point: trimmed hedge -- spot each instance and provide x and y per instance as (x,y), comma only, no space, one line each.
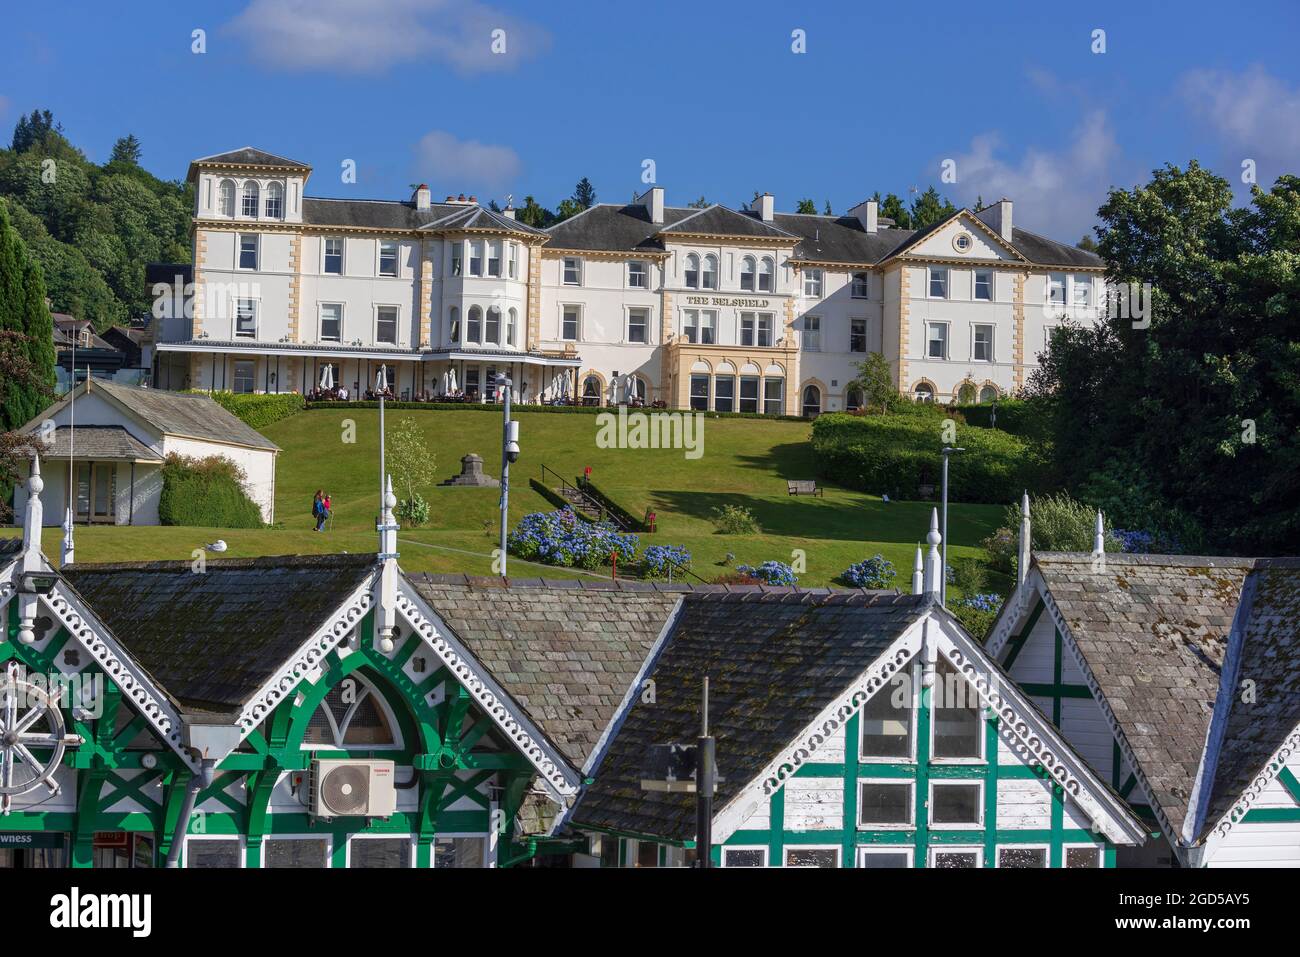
(1024,417)
(257,411)
(207,492)
(895,454)
(560,409)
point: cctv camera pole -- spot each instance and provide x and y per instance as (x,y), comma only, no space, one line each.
(508,439)
(943,531)
(704,784)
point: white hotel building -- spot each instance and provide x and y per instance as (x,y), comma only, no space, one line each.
(750,311)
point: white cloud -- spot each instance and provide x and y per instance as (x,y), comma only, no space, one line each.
(455,165)
(1253,113)
(370,36)
(1056,192)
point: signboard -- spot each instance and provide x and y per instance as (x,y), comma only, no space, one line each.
(22,839)
(736,301)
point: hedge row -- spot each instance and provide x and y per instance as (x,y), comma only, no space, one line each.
(562,409)
(258,411)
(895,454)
(1023,417)
(207,492)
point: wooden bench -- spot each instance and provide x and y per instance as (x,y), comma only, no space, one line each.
(802,487)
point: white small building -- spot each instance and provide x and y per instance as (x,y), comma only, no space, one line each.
(117,439)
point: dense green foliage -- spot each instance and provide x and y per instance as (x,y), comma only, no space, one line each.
(26,333)
(258,411)
(1057,523)
(208,492)
(92,228)
(1027,418)
(1189,424)
(735,520)
(894,454)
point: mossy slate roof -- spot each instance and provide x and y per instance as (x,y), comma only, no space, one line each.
(1153,631)
(774,662)
(211,639)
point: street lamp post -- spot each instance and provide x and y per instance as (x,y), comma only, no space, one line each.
(943,531)
(509,453)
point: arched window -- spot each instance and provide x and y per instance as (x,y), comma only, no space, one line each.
(492,333)
(966,393)
(474,328)
(512,317)
(812,401)
(226,198)
(639,389)
(353,714)
(275,201)
(853,400)
(710,278)
(249,207)
(591,390)
(988,393)
(453,325)
(924,392)
(747,274)
(765,268)
(692,271)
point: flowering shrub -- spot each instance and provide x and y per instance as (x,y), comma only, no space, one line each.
(561,538)
(657,560)
(1139,542)
(977,612)
(735,520)
(875,572)
(773,573)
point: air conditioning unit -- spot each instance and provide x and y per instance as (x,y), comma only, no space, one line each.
(346,787)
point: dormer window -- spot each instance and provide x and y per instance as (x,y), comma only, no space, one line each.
(275,201)
(249,207)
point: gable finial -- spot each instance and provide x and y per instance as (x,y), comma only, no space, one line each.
(1099,537)
(1023,546)
(386,583)
(934,563)
(918,573)
(34,513)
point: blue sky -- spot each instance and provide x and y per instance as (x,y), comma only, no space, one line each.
(711,92)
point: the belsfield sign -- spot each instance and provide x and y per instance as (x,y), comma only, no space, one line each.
(728,301)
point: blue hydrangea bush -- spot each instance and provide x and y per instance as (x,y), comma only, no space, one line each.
(874,572)
(657,560)
(773,573)
(561,538)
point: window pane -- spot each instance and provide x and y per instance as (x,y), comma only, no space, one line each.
(570,330)
(296,853)
(812,334)
(1022,857)
(387,259)
(647,854)
(883,859)
(887,721)
(476,259)
(812,857)
(211,853)
(773,396)
(638,322)
(765,330)
(331,322)
(458,852)
(765,275)
(494,258)
(700,393)
(951,860)
(334,256)
(939,283)
(957,725)
(247,252)
(885,804)
(609,847)
(572,275)
(386,325)
(742,857)
(379,852)
(983,284)
(955,804)
(938,341)
(707,323)
(860,285)
(749,393)
(724,393)
(1083,857)
(857,335)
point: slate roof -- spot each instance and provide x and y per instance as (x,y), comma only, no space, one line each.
(720,221)
(101,442)
(607,227)
(180,413)
(210,640)
(1153,630)
(476,217)
(1048,252)
(774,661)
(365,213)
(840,239)
(10,547)
(247,156)
(1270,658)
(567,655)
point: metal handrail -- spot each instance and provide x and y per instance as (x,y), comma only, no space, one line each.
(605,514)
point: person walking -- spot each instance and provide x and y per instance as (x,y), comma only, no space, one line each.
(328,507)
(318,510)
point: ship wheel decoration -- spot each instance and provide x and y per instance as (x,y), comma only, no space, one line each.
(32,737)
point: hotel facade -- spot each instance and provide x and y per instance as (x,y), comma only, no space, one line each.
(713,309)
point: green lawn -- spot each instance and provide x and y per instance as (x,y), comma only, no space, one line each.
(745,462)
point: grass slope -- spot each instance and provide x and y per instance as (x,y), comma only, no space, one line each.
(745,462)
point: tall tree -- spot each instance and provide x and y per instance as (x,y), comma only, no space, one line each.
(126,150)
(28,331)
(806,206)
(700,203)
(1180,412)
(827,210)
(532,214)
(30,130)
(584,194)
(1087,243)
(928,208)
(892,208)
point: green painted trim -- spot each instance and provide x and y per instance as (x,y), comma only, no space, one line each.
(1129,785)
(1290,783)
(969,837)
(921,794)
(1056,677)
(774,837)
(1018,642)
(1039,690)
(991,790)
(1271,815)
(852,749)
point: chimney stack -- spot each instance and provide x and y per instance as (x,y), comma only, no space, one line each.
(508,212)
(998,218)
(766,207)
(653,201)
(868,214)
(421,197)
